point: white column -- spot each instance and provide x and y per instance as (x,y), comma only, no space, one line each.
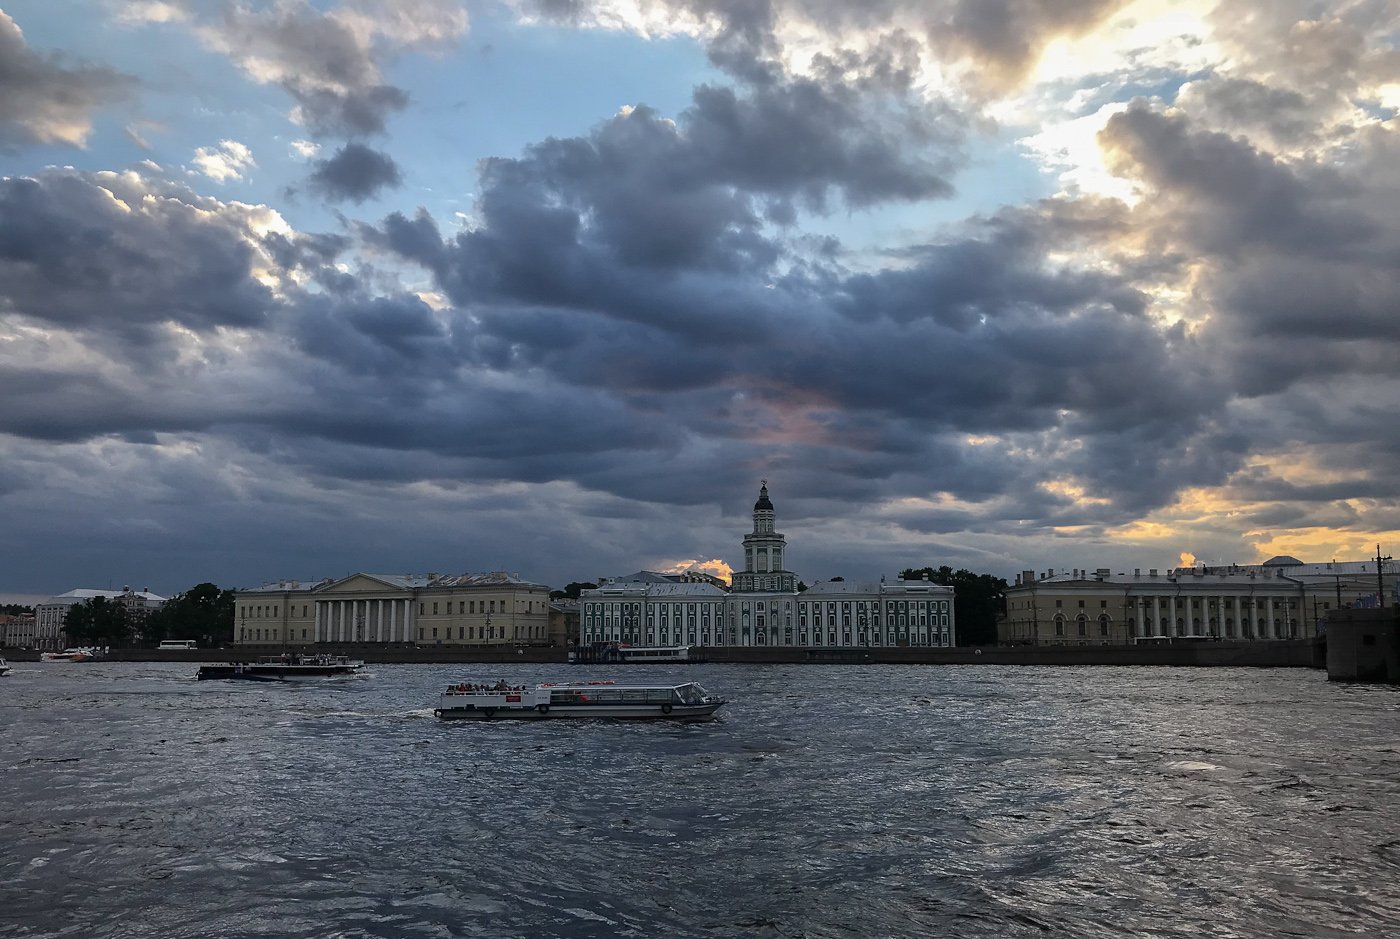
(1269,620)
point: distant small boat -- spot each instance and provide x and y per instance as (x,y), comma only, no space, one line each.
(70,655)
(283,668)
(684,701)
(4,667)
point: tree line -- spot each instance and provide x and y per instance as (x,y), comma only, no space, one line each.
(979,600)
(203,613)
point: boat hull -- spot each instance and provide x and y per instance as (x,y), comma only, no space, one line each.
(646,712)
(274,672)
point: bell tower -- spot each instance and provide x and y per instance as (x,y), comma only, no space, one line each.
(764,548)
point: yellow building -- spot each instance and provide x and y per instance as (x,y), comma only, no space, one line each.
(1283,598)
(401,609)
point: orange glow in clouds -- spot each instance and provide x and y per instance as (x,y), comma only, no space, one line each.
(714,567)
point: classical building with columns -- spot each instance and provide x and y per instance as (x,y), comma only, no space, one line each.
(765,607)
(1283,598)
(407,609)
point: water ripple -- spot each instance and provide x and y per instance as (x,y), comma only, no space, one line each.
(831,801)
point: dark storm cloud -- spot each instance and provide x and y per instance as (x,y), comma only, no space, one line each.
(801,138)
(319,60)
(989,341)
(1006,37)
(1235,104)
(999,40)
(355,172)
(1233,196)
(375,336)
(1296,257)
(347,114)
(605,221)
(79,255)
(44,99)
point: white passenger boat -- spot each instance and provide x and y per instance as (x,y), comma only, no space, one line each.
(685,701)
(283,668)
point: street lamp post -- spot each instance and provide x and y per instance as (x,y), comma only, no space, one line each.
(1380,580)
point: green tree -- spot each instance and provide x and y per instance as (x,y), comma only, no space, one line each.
(979,600)
(572,591)
(98,621)
(203,613)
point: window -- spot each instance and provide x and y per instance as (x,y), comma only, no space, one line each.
(1103,604)
(1059,603)
(435,614)
(1081,604)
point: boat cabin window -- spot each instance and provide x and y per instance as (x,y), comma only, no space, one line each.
(690,693)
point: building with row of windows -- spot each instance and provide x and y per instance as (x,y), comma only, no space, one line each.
(51,617)
(495,608)
(1282,598)
(17,630)
(765,607)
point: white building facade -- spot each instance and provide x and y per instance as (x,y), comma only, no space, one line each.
(765,607)
(51,616)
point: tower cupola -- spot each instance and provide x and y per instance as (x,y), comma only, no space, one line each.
(764,547)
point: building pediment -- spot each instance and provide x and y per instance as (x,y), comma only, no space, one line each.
(359,584)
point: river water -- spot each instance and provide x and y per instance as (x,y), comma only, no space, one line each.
(828,801)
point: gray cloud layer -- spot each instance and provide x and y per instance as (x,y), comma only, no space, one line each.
(634,326)
(45,100)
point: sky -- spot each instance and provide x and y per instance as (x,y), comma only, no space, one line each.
(298,288)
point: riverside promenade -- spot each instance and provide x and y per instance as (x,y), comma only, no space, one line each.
(1265,654)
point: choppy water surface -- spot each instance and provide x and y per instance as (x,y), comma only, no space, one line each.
(829,801)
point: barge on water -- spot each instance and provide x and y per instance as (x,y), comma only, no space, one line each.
(284,668)
(684,701)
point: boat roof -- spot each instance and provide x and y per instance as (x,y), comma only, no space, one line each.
(571,685)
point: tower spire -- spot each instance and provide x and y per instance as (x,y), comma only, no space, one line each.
(764,547)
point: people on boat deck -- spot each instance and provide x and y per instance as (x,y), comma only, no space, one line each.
(484,688)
